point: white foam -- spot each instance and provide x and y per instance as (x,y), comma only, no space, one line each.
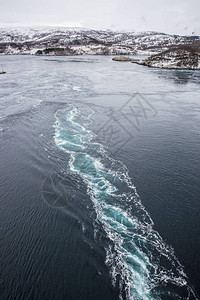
(118,222)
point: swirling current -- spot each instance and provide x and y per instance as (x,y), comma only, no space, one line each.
(142,264)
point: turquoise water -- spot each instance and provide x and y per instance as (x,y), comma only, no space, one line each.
(147,266)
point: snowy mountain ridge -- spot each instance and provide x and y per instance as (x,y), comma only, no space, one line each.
(76,41)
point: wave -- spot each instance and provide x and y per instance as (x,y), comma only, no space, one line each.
(142,265)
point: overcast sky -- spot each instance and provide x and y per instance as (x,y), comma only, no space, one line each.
(171,16)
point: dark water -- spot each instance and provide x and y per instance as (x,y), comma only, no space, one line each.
(99,180)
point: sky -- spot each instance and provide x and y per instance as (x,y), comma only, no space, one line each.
(170,16)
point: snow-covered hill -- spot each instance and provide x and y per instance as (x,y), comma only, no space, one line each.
(75,41)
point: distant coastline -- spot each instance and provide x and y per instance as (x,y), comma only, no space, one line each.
(78,41)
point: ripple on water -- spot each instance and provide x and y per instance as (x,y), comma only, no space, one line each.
(147,267)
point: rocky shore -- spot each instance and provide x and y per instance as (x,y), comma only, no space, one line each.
(182,57)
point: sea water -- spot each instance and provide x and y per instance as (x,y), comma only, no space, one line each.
(99,180)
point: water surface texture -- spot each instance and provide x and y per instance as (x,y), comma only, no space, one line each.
(99,180)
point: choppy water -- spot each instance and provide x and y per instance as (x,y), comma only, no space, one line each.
(93,154)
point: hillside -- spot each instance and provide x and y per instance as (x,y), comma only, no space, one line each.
(77,41)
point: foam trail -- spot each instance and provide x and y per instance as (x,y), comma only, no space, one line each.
(140,262)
